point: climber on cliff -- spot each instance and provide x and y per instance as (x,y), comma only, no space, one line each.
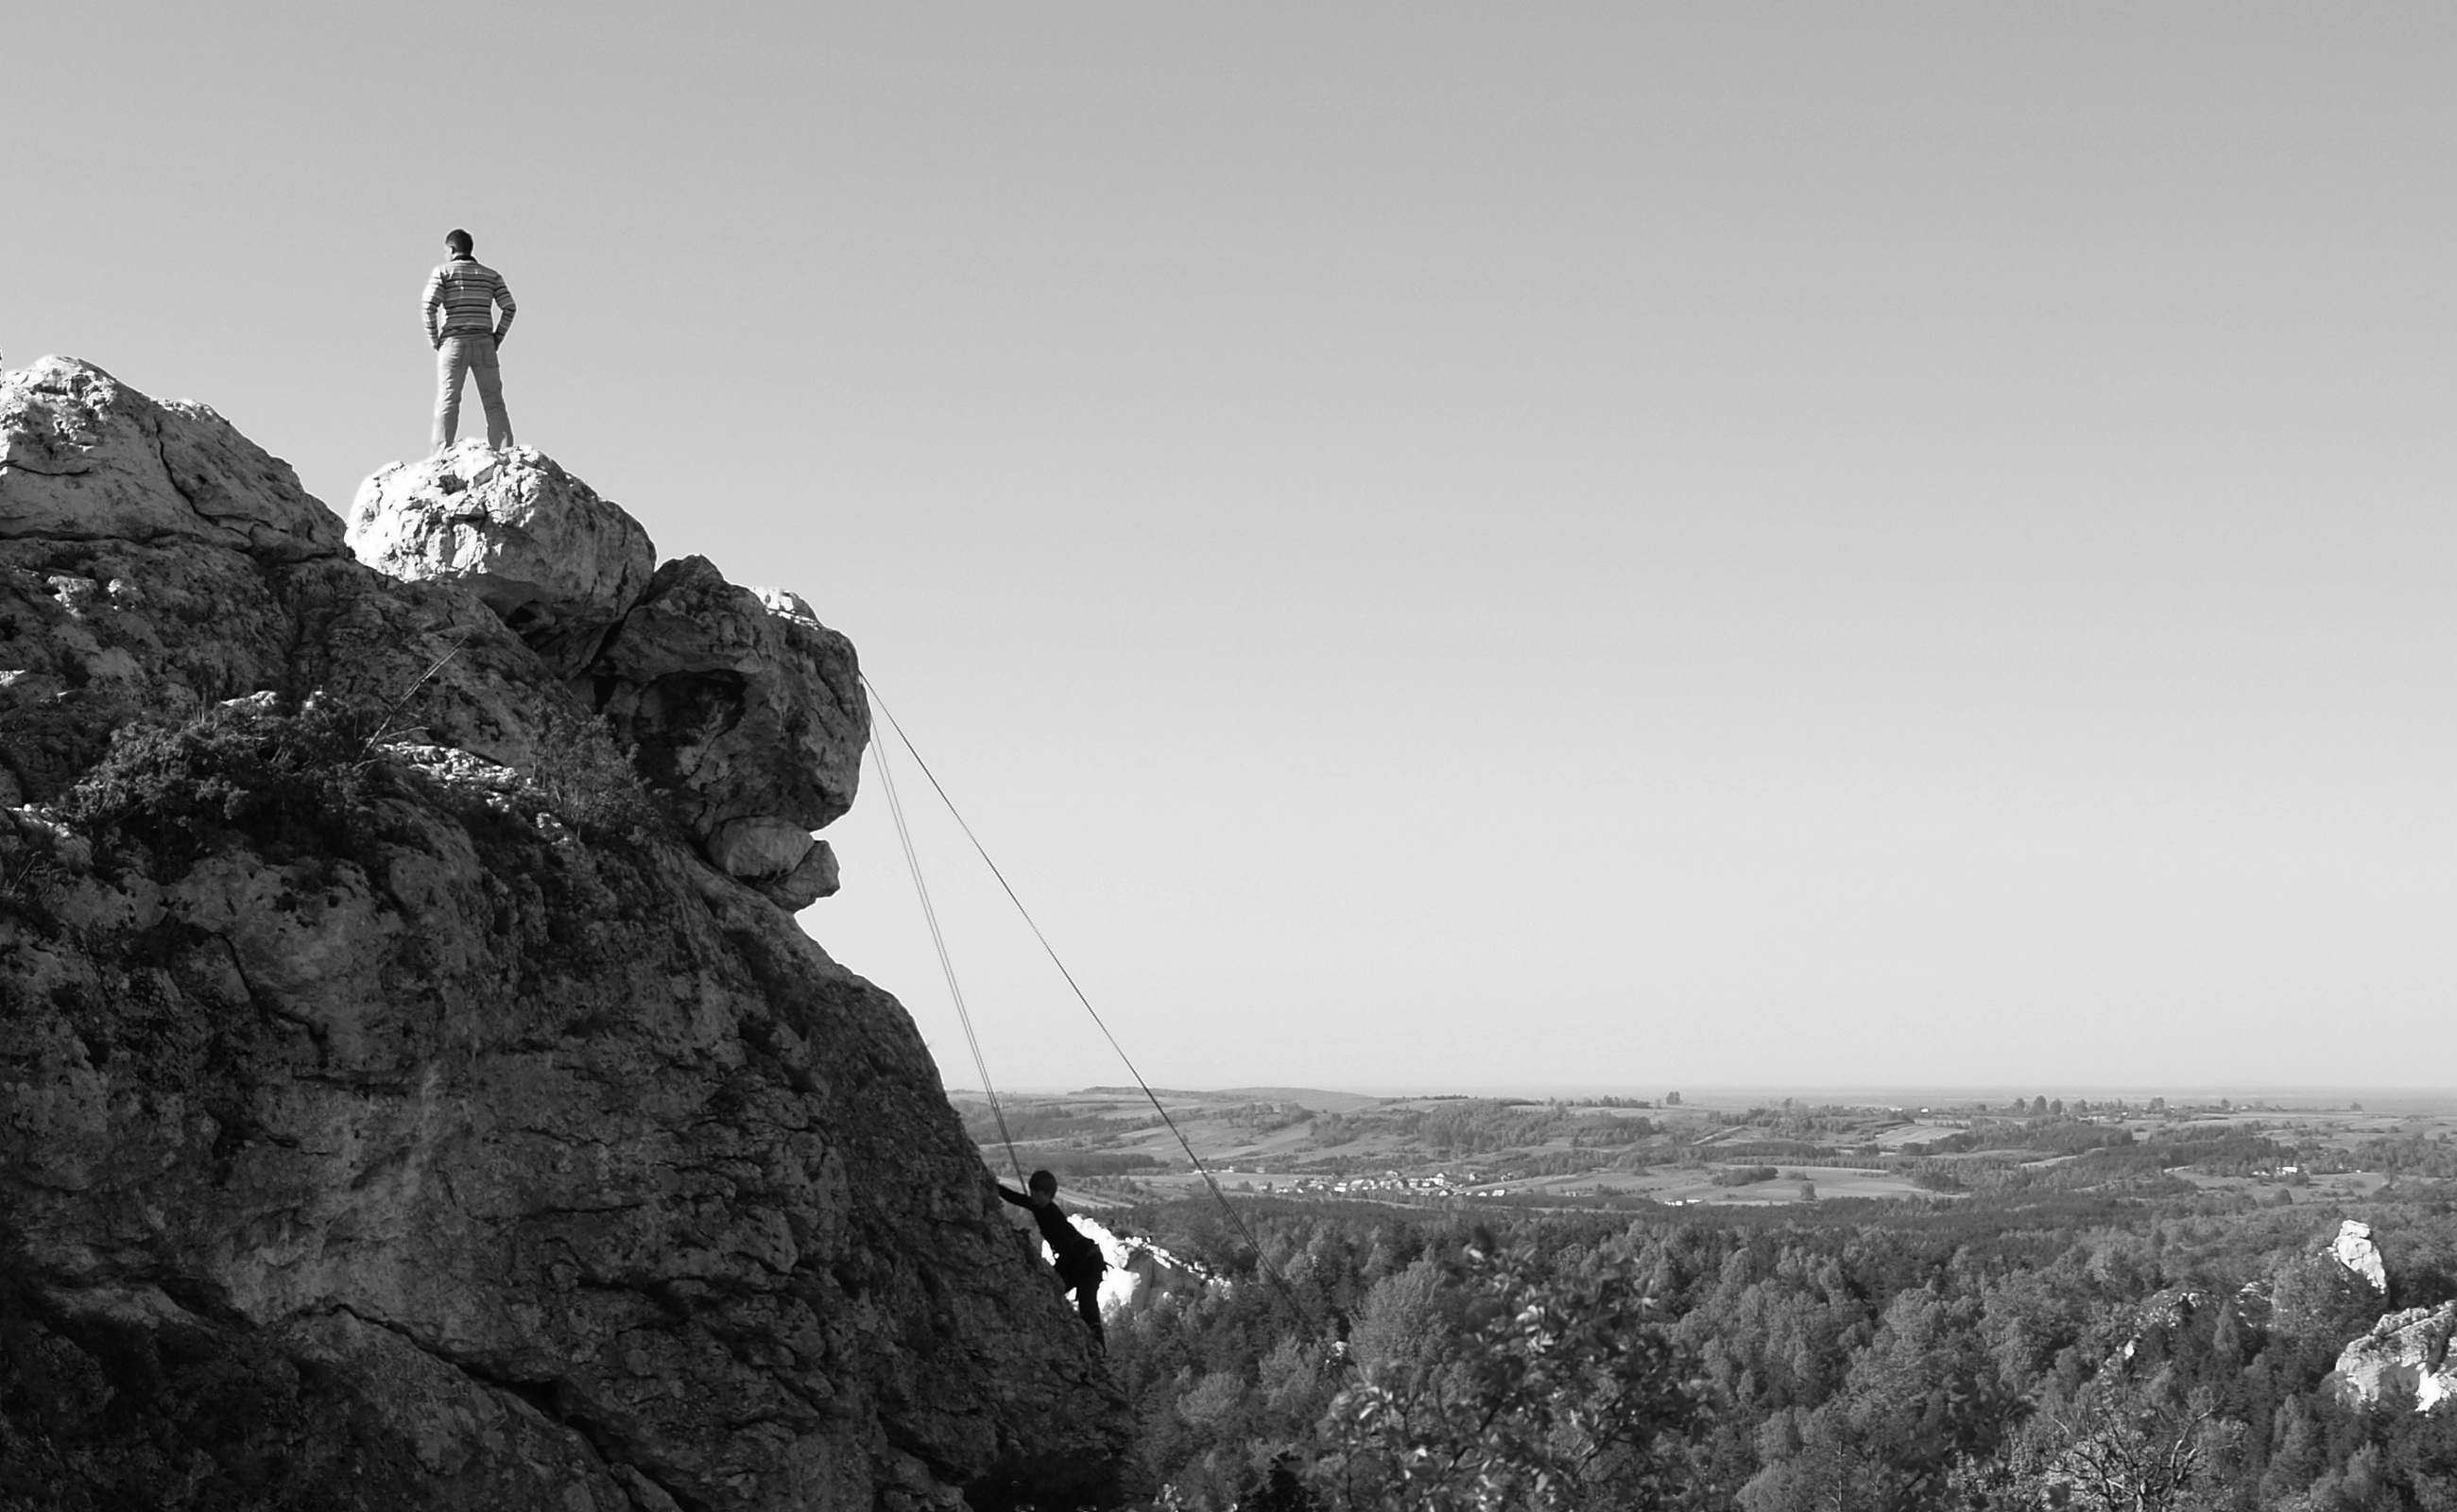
(465,292)
(1078,1260)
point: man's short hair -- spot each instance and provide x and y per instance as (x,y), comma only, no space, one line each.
(1043,1181)
(459,241)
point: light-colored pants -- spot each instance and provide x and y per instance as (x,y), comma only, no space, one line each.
(460,357)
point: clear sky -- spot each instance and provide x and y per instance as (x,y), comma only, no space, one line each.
(1447,545)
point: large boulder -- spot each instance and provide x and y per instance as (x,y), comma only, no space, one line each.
(741,704)
(379,1129)
(555,562)
(2406,1353)
(87,458)
(812,877)
(777,858)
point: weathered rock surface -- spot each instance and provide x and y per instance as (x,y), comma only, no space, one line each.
(777,858)
(2353,1249)
(746,714)
(761,847)
(814,878)
(555,562)
(381,1126)
(2405,1353)
(742,705)
(90,459)
(153,560)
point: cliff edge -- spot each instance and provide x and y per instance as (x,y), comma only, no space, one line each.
(415,1091)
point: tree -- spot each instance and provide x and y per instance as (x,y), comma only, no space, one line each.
(1544,1384)
(1921,1396)
(2124,1442)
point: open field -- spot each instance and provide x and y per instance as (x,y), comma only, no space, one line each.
(1110,1144)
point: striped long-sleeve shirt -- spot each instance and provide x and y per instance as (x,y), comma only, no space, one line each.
(462,290)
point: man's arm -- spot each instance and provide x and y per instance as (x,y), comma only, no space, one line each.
(503,301)
(434,302)
(1016,1197)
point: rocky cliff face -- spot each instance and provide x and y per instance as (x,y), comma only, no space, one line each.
(2404,1354)
(413,1089)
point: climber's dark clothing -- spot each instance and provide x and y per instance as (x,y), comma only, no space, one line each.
(1076,1253)
(1087,1303)
(1078,1260)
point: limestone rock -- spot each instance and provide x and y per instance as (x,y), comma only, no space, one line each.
(555,562)
(812,879)
(742,705)
(153,561)
(2406,1352)
(2354,1250)
(758,847)
(97,635)
(87,458)
(1140,1273)
(676,1173)
(508,1165)
(781,861)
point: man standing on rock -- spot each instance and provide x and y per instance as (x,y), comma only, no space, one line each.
(1080,1261)
(461,299)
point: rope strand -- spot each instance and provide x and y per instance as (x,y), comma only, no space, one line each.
(1226,1206)
(946,963)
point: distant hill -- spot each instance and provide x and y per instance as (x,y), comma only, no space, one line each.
(1311,1099)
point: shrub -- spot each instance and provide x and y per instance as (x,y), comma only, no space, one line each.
(244,766)
(30,867)
(1524,1384)
(587,780)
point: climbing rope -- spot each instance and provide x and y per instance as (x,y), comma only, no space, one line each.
(1226,1206)
(946,963)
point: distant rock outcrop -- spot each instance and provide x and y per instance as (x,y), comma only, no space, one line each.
(1140,1273)
(2405,1353)
(395,1110)
(2164,1311)
(2353,1249)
